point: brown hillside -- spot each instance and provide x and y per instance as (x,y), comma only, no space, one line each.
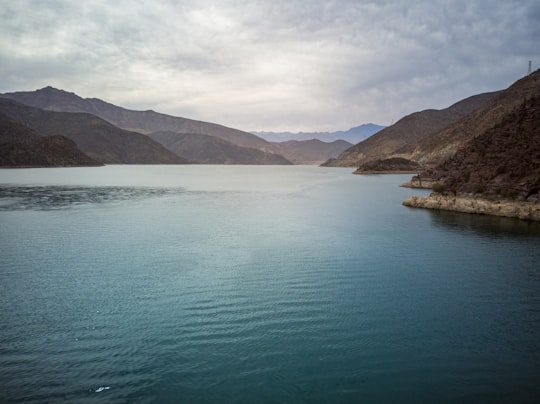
(391,165)
(313,151)
(22,147)
(407,132)
(207,149)
(95,137)
(441,146)
(52,99)
(504,161)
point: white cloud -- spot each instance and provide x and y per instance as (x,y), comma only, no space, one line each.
(270,65)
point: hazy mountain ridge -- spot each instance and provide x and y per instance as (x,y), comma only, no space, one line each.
(23,147)
(145,122)
(353,135)
(207,149)
(95,137)
(217,144)
(408,131)
(312,151)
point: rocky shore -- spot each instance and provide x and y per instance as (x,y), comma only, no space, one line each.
(419,182)
(395,165)
(528,210)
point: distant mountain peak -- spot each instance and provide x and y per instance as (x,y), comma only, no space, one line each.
(353,135)
(50,89)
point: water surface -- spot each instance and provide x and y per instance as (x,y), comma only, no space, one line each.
(258,284)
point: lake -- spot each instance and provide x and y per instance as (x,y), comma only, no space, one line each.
(258,284)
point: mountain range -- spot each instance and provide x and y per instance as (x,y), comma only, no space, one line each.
(484,159)
(192,141)
(313,151)
(140,123)
(353,135)
(95,137)
(145,122)
(206,149)
(421,141)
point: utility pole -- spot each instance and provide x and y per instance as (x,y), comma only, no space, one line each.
(530,68)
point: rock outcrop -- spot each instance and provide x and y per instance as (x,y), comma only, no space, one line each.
(495,173)
(528,210)
(392,165)
(502,162)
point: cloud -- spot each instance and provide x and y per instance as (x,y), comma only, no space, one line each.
(270,65)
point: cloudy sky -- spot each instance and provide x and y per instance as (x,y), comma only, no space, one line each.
(276,65)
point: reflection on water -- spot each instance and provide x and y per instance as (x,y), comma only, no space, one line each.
(484,224)
(58,197)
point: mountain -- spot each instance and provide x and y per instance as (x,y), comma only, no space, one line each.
(22,147)
(502,161)
(213,150)
(353,135)
(95,137)
(444,144)
(311,151)
(408,131)
(145,122)
(496,173)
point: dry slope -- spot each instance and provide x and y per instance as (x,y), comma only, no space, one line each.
(94,136)
(406,132)
(22,147)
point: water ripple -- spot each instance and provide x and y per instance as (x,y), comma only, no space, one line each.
(61,197)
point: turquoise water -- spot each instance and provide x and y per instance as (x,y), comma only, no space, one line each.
(238,284)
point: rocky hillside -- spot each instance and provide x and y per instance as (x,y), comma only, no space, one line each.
(95,137)
(207,149)
(22,147)
(444,144)
(502,162)
(391,165)
(310,151)
(145,122)
(408,131)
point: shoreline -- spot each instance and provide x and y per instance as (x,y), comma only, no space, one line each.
(417,184)
(374,172)
(476,205)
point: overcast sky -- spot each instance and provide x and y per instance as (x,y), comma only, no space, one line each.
(276,65)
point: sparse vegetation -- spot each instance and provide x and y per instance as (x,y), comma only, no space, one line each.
(502,162)
(395,164)
(439,187)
